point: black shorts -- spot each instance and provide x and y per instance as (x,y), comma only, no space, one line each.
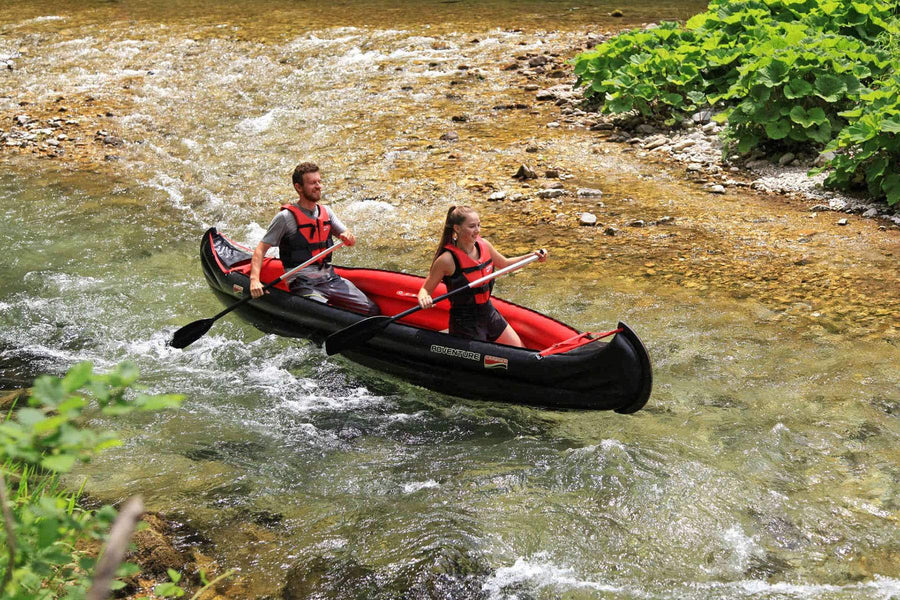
(335,291)
(481,322)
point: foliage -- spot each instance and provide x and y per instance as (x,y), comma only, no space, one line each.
(782,73)
(869,148)
(39,443)
(796,92)
(171,589)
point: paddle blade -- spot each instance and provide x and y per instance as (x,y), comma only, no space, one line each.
(190,333)
(355,334)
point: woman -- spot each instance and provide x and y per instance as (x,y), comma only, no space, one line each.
(463,256)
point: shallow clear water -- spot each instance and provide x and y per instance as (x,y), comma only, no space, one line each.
(764,466)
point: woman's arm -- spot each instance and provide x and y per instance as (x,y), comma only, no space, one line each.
(501,262)
(440,268)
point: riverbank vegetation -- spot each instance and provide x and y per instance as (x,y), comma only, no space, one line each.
(49,541)
(781,75)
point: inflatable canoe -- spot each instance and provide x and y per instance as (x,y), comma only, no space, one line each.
(560,367)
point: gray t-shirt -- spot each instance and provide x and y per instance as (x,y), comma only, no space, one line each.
(284,223)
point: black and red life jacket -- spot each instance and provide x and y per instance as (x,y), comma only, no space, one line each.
(467,271)
(311,238)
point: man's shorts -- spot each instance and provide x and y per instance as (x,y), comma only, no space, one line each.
(335,291)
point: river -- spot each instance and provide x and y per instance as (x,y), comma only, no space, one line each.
(765,464)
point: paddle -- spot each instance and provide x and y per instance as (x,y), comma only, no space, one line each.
(361,331)
(192,332)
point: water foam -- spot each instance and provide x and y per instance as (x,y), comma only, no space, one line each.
(415,486)
(543,574)
(880,587)
(743,548)
(257,125)
(44,19)
(356,57)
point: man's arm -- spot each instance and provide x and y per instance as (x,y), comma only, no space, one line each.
(273,236)
(256,287)
(339,229)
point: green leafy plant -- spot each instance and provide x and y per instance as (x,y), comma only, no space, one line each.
(171,589)
(43,525)
(780,73)
(794,91)
(868,148)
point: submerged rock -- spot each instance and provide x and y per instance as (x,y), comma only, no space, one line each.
(552,193)
(335,578)
(525,172)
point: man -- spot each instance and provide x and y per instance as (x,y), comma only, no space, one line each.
(301,230)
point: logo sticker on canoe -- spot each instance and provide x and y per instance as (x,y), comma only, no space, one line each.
(457,352)
(237,289)
(495,362)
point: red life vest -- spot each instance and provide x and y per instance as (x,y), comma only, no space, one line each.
(467,271)
(311,238)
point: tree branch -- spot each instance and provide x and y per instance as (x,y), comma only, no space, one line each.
(9,526)
(112,556)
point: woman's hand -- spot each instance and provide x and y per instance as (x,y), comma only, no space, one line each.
(425,300)
(541,254)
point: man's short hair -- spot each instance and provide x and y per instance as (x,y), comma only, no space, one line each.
(302,169)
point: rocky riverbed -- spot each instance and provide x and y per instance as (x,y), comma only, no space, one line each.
(756,229)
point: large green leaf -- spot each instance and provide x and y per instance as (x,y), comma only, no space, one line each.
(48,391)
(672,99)
(797,88)
(77,376)
(774,73)
(760,93)
(48,425)
(61,463)
(29,417)
(645,91)
(620,104)
(876,169)
(891,188)
(829,7)
(697,21)
(861,131)
(158,402)
(829,87)
(696,97)
(747,142)
(890,124)
(778,130)
(821,134)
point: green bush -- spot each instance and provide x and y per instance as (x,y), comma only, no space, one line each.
(796,92)
(782,73)
(42,523)
(868,149)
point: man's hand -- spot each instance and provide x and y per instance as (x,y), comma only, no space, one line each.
(256,288)
(348,238)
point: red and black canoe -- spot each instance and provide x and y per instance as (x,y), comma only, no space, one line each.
(559,367)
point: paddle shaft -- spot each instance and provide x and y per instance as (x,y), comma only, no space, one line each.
(472,284)
(272,284)
(361,331)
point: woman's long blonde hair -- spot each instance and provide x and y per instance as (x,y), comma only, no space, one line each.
(455,216)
